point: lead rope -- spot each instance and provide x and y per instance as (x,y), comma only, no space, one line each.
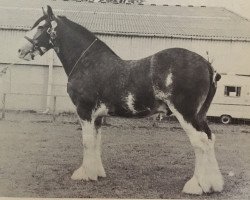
(4,70)
(81,56)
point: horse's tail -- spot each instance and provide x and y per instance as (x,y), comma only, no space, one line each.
(214,78)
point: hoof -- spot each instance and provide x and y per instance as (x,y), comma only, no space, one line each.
(192,187)
(101,172)
(80,174)
(217,182)
(208,185)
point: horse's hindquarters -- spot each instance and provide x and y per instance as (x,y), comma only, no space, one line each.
(183,80)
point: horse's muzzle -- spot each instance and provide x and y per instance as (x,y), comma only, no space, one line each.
(25,55)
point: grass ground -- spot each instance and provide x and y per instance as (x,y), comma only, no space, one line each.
(38,157)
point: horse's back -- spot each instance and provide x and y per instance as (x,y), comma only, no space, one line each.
(181,63)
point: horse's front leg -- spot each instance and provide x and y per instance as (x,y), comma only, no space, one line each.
(91,166)
(100,168)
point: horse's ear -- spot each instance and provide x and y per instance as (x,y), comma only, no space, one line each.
(50,13)
(44,13)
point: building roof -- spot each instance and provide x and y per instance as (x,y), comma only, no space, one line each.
(138,20)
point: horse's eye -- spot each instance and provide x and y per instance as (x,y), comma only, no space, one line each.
(40,27)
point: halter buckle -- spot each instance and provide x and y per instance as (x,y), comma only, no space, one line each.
(52,33)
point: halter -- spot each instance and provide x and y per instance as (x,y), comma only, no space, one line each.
(35,45)
(52,33)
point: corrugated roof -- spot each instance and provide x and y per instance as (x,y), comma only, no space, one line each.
(146,20)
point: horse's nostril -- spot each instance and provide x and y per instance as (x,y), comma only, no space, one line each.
(19,50)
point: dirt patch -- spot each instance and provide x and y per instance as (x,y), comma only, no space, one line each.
(141,161)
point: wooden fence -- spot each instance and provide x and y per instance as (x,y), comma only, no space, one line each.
(53,110)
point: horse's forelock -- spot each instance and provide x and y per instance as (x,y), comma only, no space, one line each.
(39,20)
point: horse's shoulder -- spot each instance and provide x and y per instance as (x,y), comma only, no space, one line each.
(79,91)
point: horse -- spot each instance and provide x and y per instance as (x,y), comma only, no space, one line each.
(100,83)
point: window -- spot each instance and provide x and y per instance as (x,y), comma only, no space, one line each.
(232,91)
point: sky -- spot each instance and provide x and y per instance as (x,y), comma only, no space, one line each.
(241,7)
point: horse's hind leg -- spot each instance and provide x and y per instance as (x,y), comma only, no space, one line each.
(207,177)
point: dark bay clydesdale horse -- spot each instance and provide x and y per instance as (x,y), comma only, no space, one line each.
(101,83)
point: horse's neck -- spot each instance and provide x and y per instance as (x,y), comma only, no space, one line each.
(72,45)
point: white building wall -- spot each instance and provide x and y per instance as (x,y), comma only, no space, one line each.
(25,79)
(227,57)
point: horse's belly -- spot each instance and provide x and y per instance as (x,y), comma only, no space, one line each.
(128,112)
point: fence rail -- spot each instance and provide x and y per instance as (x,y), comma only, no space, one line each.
(60,107)
(51,110)
(3,108)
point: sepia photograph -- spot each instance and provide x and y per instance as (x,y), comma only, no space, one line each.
(125,99)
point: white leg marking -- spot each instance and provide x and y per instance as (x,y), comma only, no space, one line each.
(88,170)
(92,164)
(215,176)
(192,187)
(100,169)
(207,176)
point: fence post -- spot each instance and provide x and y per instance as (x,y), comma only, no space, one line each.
(54,109)
(3,108)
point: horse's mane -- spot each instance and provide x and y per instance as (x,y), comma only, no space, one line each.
(80,29)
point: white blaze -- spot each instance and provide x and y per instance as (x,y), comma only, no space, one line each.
(33,32)
(27,46)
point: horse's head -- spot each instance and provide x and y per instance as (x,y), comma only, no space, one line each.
(40,38)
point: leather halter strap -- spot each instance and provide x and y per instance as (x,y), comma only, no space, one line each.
(36,47)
